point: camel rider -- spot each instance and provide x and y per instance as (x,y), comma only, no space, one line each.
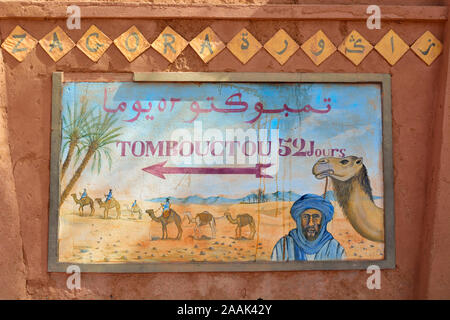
(84,194)
(166,208)
(134,203)
(109,196)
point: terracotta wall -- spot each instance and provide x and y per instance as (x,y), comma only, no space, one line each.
(421,149)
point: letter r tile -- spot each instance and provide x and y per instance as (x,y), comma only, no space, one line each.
(169,44)
(281,46)
(19,43)
(94,43)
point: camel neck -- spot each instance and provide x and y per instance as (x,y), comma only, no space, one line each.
(350,193)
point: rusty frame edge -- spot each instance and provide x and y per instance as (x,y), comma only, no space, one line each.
(55,148)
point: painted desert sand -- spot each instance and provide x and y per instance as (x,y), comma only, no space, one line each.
(92,239)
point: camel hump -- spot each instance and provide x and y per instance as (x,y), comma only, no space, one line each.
(205,216)
(246,218)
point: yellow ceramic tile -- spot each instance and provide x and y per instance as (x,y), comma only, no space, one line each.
(392,47)
(355,47)
(132,43)
(427,47)
(207,44)
(56,43)
(244,46)
(169,44)
(94,43)
(19,43)
(281,46)
(318,48)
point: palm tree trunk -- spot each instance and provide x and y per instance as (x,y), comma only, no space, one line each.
(72,146)
(77,174)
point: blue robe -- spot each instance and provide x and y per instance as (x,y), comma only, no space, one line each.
(109,196)
(330,250)
(166,206)
(83,195)
(134,203)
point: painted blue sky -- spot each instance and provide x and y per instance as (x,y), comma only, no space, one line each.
(354,123)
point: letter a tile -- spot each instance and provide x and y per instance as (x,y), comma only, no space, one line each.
(355,47)
(132,43)
(169,44)
(19,43)
(427,47)
(207,44)
(391,47)
(244,46)
(94,43)
(56,43)
(318,48)
(281,46)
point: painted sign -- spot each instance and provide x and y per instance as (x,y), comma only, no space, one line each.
(244,175)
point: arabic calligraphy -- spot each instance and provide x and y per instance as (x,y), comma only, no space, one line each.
(284,49)
(357,46)
(321,45)
(234,103)
(245,44)
(432,44)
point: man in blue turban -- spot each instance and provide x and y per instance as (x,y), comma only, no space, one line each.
(311,239)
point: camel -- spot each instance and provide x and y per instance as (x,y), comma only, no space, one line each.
(242,220)
(135,209)
(86,201)
(111,203)
(353,192)
(173,217)
(202,219)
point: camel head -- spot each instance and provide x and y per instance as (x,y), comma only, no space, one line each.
(150,212)
(227,214)
(341,169)
(98,200)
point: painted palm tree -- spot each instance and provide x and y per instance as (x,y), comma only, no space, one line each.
(101,132)
(73,131)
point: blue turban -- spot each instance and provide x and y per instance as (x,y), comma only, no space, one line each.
(311,201)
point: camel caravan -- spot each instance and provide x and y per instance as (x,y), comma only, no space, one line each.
(168,216)
(350,183)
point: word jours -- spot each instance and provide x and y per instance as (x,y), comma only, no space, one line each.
(244,46)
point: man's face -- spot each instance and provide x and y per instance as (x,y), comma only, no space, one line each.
(311,222)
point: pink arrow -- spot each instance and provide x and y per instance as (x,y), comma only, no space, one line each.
(159,170)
